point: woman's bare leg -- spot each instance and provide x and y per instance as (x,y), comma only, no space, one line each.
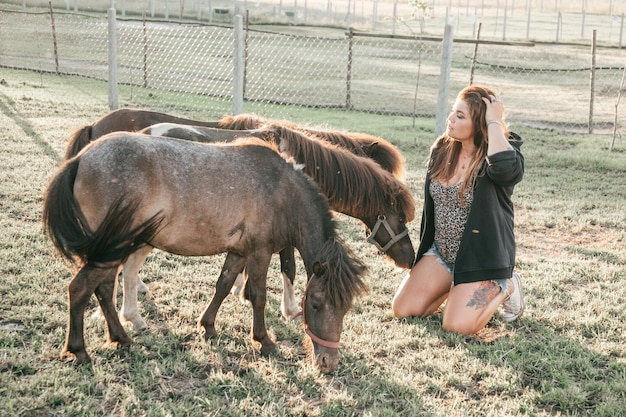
(470,306)
(423,290)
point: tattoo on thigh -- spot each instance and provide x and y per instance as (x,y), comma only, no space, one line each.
(483,295)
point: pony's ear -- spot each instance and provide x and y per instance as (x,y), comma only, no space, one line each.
(318,269)
(369,149)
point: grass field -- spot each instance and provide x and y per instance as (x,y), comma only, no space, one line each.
(566,355)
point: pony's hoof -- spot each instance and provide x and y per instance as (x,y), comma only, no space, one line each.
(141,287)
(207,331)
(137,322)
(76,358)
(291,314)
(245,301)
(268,347)
(120,342)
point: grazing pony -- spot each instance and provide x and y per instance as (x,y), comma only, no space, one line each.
(130,192)
(383,232)
(354,185)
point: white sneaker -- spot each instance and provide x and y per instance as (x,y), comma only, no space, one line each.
(513,306)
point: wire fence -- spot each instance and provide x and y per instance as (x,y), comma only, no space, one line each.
(536,20)
(188,68)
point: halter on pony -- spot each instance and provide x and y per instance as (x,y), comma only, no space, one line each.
(394,238)
(314,338)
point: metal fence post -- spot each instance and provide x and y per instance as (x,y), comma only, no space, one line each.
(349,70)
(113,93)
(238,65)
(444,82)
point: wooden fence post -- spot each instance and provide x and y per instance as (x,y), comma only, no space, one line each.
(592,81)
(473,66)
(238,65)
(444,81)
(113,93)
(619,97)
(54,39)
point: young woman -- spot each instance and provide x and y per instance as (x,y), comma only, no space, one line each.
(467,249)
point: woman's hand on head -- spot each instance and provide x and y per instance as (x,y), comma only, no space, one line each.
(495,108)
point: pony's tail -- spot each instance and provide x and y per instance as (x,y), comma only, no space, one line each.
(114,240)
(80,138)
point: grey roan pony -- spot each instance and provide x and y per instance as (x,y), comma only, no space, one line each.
(128,192)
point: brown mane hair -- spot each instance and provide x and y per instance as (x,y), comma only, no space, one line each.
(362,144)
(351,182)
(343,284)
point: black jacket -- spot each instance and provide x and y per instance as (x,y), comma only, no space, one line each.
(487,248)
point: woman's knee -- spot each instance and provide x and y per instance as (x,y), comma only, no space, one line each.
(402,307)
(399,307)
(463,327)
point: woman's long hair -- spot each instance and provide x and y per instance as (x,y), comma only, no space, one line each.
(445,152)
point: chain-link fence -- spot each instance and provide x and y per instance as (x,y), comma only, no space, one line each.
(536,20)
(188,68)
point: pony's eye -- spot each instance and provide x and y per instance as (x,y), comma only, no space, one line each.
(316,304)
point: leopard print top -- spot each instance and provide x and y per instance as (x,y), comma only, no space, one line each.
(450,217)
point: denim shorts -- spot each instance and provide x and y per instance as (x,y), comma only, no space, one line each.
(433,251)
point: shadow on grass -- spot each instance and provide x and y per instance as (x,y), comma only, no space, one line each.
(174,369)
(5,102)
(567,376)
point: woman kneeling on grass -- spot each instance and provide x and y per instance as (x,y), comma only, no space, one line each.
(467,250)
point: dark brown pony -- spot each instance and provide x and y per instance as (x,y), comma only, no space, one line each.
(128,192)
(127,120)
(132,120)
(354,185)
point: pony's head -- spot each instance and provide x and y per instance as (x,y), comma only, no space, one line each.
(359,187)
(335,281)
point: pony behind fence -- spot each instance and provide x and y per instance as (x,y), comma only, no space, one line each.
(128,192)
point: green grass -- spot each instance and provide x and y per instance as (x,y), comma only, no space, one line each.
(566,355)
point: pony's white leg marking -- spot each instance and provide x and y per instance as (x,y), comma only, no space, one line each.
(237,288)
(289,306)
(130,310)
(142,287)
